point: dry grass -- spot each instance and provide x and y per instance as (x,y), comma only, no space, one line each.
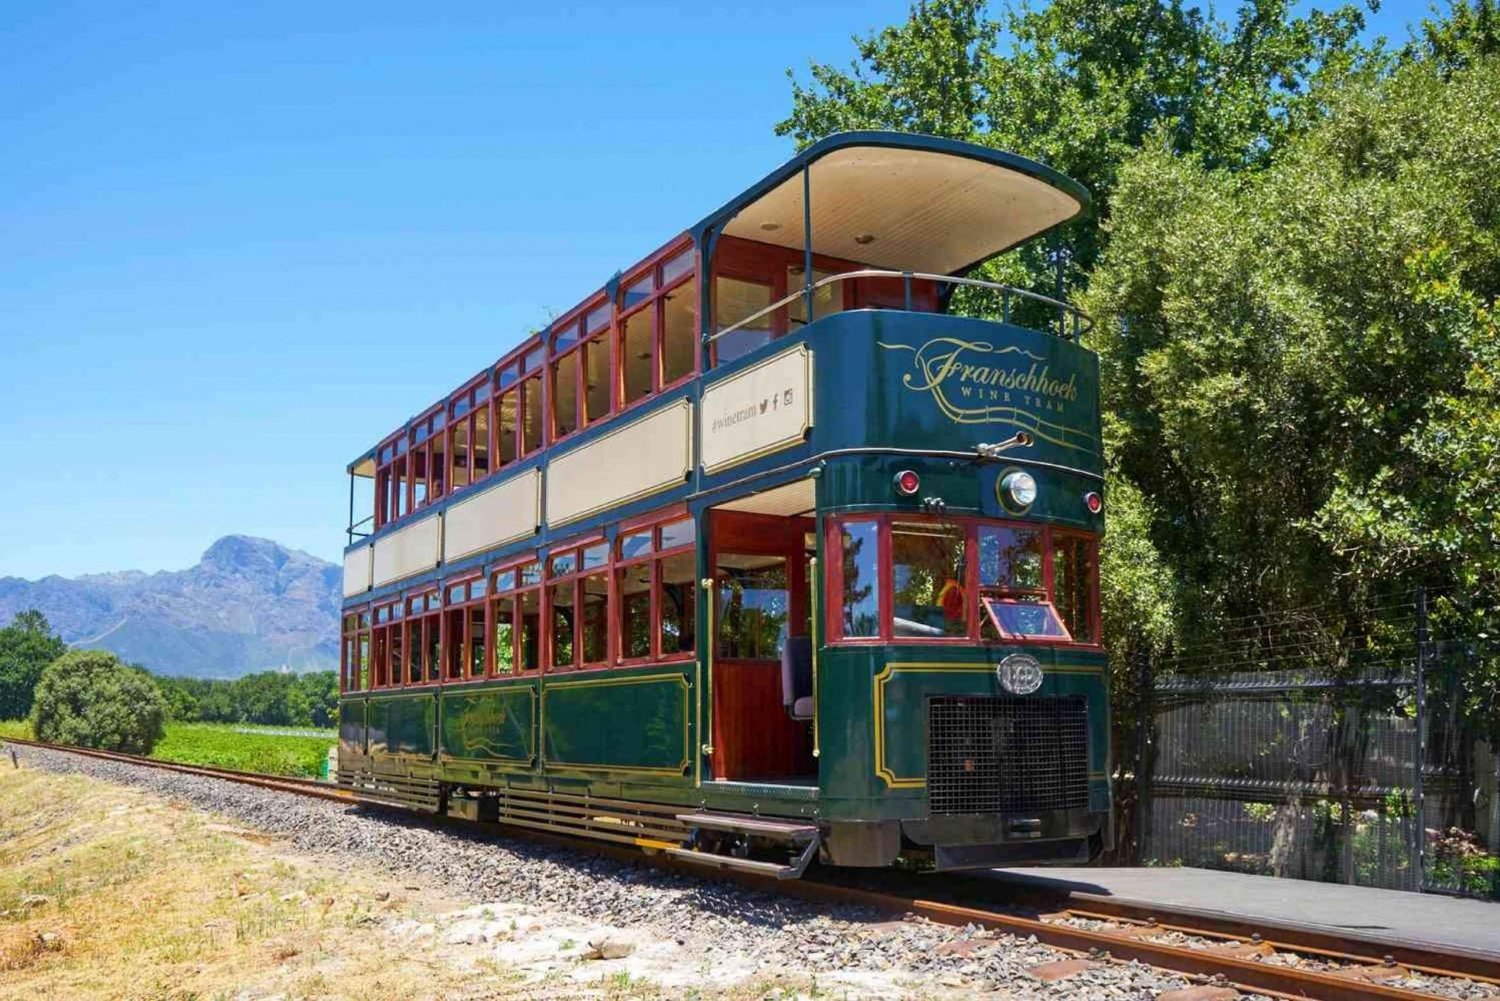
(107,892)
(112,892)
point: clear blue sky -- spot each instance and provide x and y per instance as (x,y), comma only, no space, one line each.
(240,242)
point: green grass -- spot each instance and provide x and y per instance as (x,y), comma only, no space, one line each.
(227,745)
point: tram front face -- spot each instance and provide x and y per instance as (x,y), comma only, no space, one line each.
(962,704)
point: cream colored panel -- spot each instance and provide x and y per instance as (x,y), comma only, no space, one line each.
(642,457)
(357,571)
(764,408)
(410,551)
(498,514)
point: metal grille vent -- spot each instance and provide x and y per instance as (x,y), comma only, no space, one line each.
(1007,755)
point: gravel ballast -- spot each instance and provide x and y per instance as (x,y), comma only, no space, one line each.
(723,935)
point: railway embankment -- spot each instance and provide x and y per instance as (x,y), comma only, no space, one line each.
(166,884)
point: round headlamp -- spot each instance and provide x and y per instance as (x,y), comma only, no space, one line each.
(1017,490)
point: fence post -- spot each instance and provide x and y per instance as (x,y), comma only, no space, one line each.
(1419,842)
(1145,707)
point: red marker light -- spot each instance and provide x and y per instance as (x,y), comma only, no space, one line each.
(907,483)
(1093,502)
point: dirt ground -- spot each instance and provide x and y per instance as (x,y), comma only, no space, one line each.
(110,892)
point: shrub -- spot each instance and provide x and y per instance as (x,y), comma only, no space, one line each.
(89,699)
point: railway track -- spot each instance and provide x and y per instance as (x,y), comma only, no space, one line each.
(1277,960)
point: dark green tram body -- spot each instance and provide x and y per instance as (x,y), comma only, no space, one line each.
(891,391)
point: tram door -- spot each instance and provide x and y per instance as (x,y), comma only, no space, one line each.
(762,729)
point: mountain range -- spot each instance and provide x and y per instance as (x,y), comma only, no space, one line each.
(248,605)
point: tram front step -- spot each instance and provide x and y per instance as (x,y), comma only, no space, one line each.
(776,870)
(762,827)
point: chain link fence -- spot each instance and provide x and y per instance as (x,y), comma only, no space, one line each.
(1323,746)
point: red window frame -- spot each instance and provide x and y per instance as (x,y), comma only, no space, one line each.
(654,305)
(355,669)
(424,615)
(654,557)
(386,618)
(767,264)
(574,578)
(462,597)
(509,585)
(391,483)
(464,410)
(834,618)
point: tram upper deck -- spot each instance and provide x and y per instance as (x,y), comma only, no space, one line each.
(823,315)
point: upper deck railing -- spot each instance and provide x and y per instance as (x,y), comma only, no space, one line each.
(1071,322)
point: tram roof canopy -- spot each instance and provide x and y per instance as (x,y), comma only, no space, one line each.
(901,201)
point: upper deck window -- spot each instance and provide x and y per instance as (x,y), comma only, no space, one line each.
(517,417)
(658,339)
(469,445)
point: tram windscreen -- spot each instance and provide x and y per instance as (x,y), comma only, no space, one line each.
(927,565)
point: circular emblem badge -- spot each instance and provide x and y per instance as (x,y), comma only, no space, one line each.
(1019,674)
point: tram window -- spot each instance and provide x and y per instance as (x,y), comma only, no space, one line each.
(566,337)
(506,438)
(438,465)
(434,647)
(678,533)
(561,633)
(459,449)
(679,338)
(753,606)
(399,499)
(454,661)
(596,390)
(595,556)
(598,319)
(734,300)
(414,648)
(1010,558)
(827,300)
(859,544)
(1026,617)
(382,496)
(362,668)
(531,629)
(476,643)
(678,266)
(927,589)
(418,460)
(594,626)
(635,544)
(565,395)
(635,611)
(479,447)
(396,636)
(531,401)
(1073,584)
(378,655)
(505,635)
(679,604)
(637,354)
(638,291)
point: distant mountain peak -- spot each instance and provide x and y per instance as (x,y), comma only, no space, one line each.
(250,604)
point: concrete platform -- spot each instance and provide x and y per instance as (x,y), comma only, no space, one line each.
(1354,911)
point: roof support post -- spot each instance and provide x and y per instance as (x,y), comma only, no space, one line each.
(351,509)
(807,267)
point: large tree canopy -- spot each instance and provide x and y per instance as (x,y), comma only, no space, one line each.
(1294,265)
(1083,84)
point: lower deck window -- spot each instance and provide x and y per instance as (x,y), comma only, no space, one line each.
(927,580)
(753,606)
(909,577)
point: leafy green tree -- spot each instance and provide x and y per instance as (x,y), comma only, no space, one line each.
(89,699)
(27,646)
(1084,84)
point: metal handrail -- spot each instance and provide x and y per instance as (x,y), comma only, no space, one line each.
(1082,322)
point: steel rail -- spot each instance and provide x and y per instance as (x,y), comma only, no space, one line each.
(1245,974)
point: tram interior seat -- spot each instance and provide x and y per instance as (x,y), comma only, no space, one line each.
(796,676)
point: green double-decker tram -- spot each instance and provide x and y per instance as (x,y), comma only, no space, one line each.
(780,546)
